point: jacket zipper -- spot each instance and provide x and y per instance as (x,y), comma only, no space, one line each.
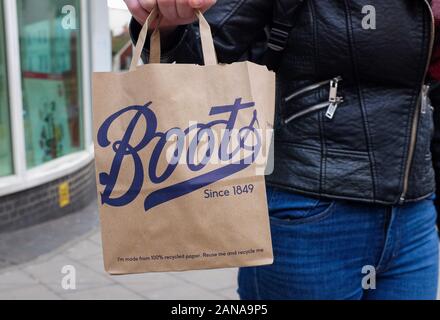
(425,99)
(331,105)
(311,88)
(419,109)
(333,98)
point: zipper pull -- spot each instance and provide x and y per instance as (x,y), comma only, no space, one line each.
(425,102)
(333,90)
(332,108)
(333,98)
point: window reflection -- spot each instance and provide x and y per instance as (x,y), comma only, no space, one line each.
(6,167)
(51,79)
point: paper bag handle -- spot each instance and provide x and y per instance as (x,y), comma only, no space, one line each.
(209,54)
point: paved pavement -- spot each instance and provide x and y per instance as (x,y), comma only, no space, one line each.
(31,261)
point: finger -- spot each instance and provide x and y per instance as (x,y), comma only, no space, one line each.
(184,10)
(148,5)
(196,4)
(168,9)
(138,12)
(203,5)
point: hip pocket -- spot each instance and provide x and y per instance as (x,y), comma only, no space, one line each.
(291,209)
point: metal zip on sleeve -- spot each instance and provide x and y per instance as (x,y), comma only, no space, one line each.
(334,99)
(310,88)
(332,108)
(415,122)
(332,104)
(300,114)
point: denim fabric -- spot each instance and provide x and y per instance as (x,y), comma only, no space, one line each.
(322,246)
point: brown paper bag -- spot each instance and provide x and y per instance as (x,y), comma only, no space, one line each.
(177,149)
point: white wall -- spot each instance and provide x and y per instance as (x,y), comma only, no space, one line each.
(119,18)
(100,38)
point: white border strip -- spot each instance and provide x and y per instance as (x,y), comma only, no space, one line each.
(86,46)
(14,85)
(46,173)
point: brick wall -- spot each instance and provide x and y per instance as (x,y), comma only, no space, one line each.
(42,203)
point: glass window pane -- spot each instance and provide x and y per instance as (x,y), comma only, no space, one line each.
(50,46)
(5,132)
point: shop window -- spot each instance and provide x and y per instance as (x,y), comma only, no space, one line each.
(6,167)
(50,48)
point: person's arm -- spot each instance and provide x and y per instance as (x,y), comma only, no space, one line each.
(236,25)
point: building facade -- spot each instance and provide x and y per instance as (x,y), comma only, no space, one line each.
(48,50)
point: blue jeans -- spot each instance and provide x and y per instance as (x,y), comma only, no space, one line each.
(335,249)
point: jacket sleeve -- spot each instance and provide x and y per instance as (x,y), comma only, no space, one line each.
(435,147)
(238,28)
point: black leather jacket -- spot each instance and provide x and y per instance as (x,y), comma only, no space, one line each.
(375,146)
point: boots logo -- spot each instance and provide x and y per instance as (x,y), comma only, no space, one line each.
(231,151)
